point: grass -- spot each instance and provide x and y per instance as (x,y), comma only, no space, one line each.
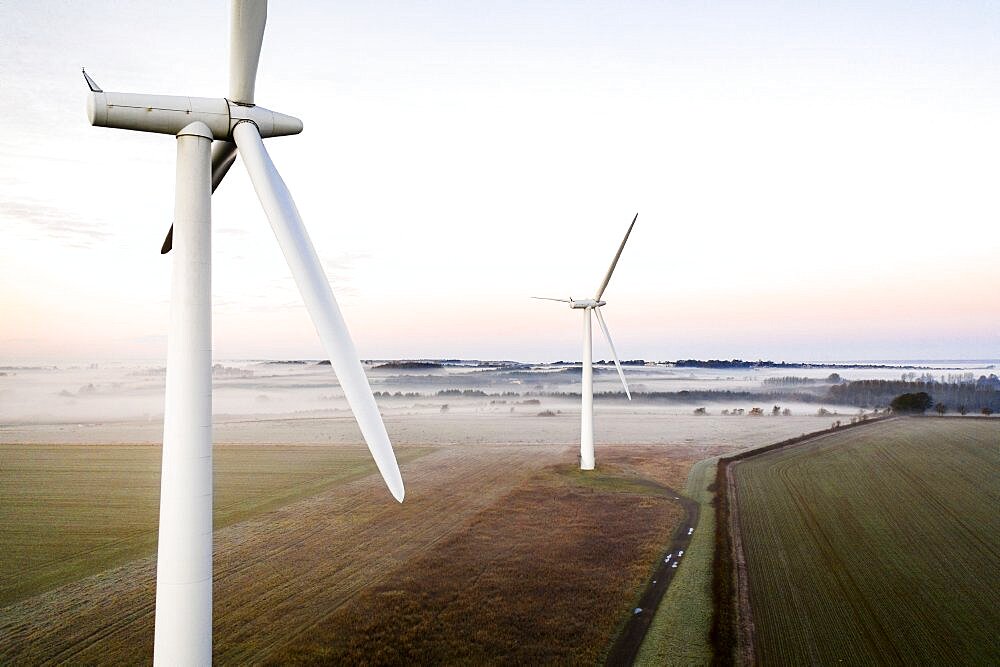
(546,575)
(611,478)
(69,511)
(876,545)
(679,633)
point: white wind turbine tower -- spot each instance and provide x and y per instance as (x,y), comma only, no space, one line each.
(183,634)
(589,306)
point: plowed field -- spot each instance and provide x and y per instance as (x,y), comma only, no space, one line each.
(876,545)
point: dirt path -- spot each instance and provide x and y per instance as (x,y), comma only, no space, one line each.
(745,626)
(626,647)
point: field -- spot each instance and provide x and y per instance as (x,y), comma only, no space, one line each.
(503,551)
(499,536)
(69,512)
(879,544)
(546,575)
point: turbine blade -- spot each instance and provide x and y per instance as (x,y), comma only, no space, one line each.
(168,242)
(246,34)
(223,156)
(549,298)
(94,88)
(320,302)
(618,365)
(614,262)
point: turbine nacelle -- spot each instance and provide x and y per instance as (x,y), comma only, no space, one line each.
(169,114)
(586,303)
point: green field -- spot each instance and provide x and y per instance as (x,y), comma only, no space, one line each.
(876,545)
(68,511)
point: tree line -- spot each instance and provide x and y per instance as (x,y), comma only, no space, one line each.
(968,395)
(973,396)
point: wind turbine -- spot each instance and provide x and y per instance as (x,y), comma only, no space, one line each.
(183,632)
(589,306)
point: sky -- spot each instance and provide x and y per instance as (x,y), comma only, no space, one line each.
(814,181)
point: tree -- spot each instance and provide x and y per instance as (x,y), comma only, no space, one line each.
(700,411)
(941,408)
(834,378)
(776,410)
(918,402)
(987,412)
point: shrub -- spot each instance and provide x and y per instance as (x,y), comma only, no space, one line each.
(918,402)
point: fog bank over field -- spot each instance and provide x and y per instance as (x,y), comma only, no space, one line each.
(111,392)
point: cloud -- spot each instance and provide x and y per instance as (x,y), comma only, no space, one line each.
(53,222)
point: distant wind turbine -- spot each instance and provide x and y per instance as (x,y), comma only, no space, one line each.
(183,634)
(594,305)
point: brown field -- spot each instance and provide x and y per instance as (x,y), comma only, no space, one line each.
(500,553)
(545,575)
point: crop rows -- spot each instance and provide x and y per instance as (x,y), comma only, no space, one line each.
(879,544)
(69,511)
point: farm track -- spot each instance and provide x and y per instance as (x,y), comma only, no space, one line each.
(278,574)
(626,646)
(874,544)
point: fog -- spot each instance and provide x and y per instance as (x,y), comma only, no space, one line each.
(109,392)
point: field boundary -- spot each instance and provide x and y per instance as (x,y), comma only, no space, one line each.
(732,618)
(625,650)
